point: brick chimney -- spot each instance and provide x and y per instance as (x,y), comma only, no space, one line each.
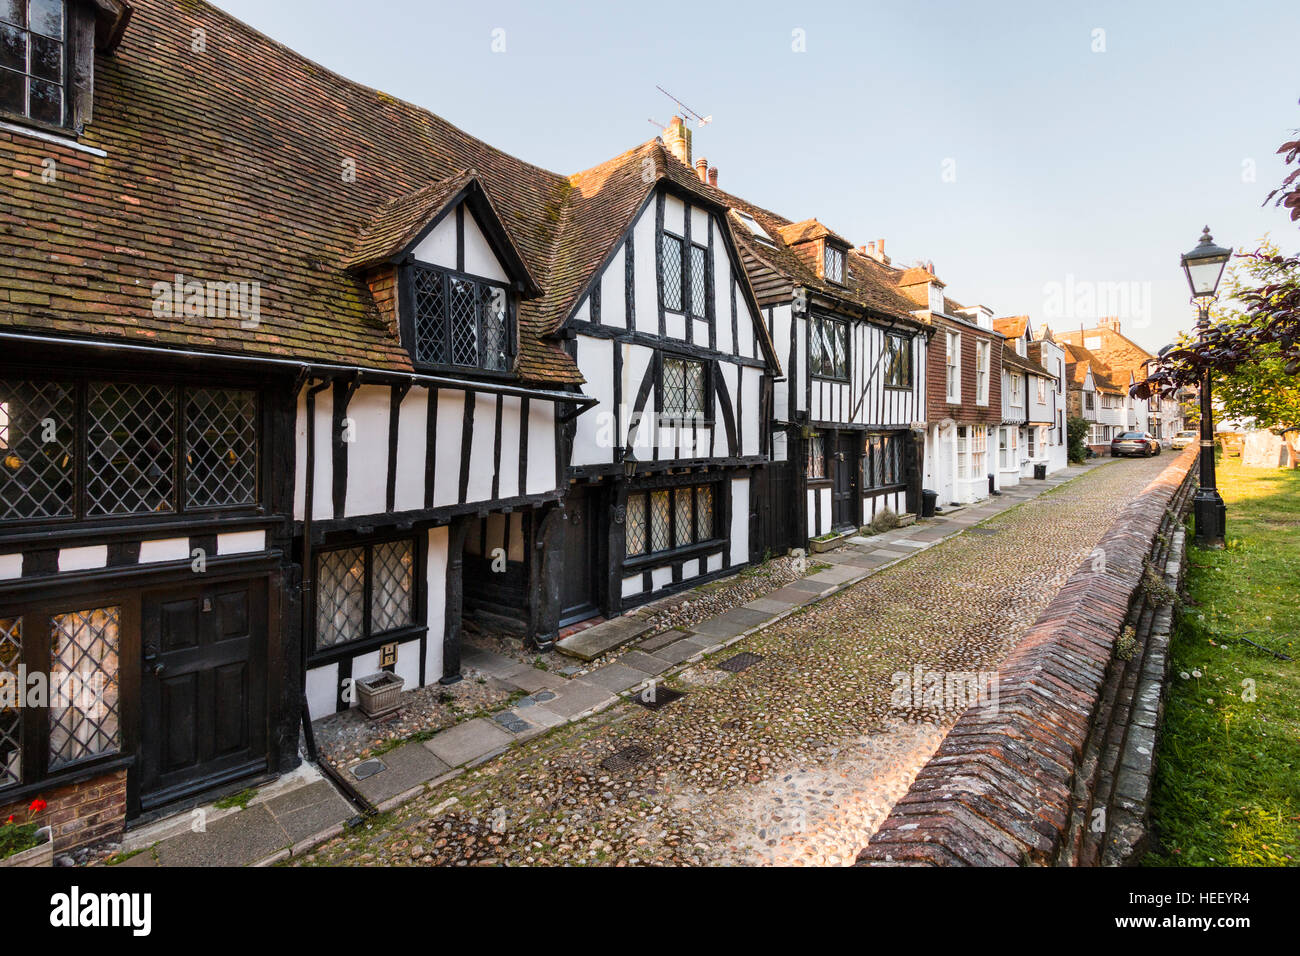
(702,169)
(677,139)
(713,176)
(1110,322)
(875,250)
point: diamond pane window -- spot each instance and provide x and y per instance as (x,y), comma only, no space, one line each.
(83,685)
(816,457)
(11,715)
(704,513)
(220,447)
(898,361)
(37,440)
(833,263)
(635,540)
(131,449)
(430,316)
(699,281)
(685,522)
(393,587)
(33,65)
(460,321)
(672,272)
(659,521)
(340,597)
(495,342)
(684,389)
(828,348)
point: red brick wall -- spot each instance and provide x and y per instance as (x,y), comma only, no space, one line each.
(80,813)
(968,413)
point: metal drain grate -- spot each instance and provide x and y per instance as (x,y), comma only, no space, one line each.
(626,759)
(655,696)
(741,661)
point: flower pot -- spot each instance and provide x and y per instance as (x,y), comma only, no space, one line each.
(377,695)
(40,855)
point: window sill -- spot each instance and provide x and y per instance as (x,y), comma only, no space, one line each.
(52,134)
(641,562)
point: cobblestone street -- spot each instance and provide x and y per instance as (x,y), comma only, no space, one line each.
(795,759)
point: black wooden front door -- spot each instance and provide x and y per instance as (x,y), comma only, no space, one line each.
(203,690)
(581,557)
(844,483)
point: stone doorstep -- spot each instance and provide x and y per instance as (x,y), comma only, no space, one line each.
(592,643)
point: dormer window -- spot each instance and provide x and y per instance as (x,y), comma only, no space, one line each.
(833,263)
(752,225)
(461,321)
(34,60)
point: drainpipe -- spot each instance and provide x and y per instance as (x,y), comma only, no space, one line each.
(364,807)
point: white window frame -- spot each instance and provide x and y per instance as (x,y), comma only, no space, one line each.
(953,366)
(981,373)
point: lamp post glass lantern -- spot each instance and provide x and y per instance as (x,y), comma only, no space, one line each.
(1203,267)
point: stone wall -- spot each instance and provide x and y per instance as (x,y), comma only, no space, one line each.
(80,813)
(1058,770)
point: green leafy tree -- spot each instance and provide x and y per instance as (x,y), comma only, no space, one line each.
(1076,431)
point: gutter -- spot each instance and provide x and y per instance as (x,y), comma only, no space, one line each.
(316,369)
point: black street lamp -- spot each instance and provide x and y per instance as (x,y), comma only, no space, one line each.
(1204,267)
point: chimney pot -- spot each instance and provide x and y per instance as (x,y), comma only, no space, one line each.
(702,169)
(677,140)
(713,176)
(880,247)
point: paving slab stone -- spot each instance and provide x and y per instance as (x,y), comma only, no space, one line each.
(577,696)
(235,840)
(616,677)
(467,741)
(311,810)
(589,644)
(683,650)
(769,606)
(893,555)
(532,679)
(836,575)
(646,663)
(662,640)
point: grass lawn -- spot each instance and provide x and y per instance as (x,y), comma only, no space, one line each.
(1227,789)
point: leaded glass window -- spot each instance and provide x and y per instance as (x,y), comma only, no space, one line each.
(883,466)
(393,591)
(666,519)
(816,457)
(635,539)
(898,361)
(340,596)
(33,60)
(704,513)
(220,447)
(684,388)
(460,321)
(828,351)
(699,281)
(131,449)
(684,518)
(364,591)
(660,521)
(11,714)
(833,263)
(37,442)
(671,253)
(84,716)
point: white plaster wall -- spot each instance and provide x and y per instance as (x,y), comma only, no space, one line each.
(451,413)
(739,521)
(412,429)
(436,583)
(613,291)
(482,451)
(593,435)
(367,453)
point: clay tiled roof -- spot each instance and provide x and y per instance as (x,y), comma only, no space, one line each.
(1118,351)
(1013,327)
(807,231)
(775,268)
(1013,358)
(242,171)
(1078,361)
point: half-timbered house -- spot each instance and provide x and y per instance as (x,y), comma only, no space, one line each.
(297,377)
(845,442)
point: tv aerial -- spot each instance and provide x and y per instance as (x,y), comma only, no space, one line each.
(702,121)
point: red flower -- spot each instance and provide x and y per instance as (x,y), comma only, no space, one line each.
(37,806)
(11,819)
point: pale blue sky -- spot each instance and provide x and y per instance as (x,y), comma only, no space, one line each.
(1070,165)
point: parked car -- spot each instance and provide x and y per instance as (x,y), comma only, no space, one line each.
(1183,439)
(1134,443)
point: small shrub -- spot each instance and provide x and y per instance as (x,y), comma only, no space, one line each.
(886,520)
(1126,644)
